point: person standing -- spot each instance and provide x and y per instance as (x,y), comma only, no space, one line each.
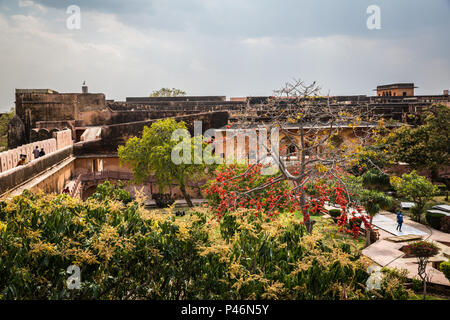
(399,221)
(36,152)
(42,152)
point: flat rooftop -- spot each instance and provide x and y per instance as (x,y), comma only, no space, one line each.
(396,86)
(35,91)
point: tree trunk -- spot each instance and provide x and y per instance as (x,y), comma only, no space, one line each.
(308,222)
(367,238)
(368,232)
(422,272)
(424,289)
(309,225)
(186,195)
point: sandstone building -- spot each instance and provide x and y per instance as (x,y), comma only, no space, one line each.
(95,126)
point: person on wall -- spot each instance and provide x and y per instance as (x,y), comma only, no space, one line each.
(22,161)
(36,152)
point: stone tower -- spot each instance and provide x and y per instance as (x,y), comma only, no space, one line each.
(16,133)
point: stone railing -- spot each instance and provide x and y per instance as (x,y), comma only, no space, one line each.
(75,188)
(60,140)
(105,175)
(17,176)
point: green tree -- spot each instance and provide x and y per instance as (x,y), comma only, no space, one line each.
(416,188)
(151,155)
(108,191)
(374,179)
(4,120)
(426,146)
(167,92)
(373,201)
(445,269)
(423,251)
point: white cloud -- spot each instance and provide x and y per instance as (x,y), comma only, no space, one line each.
(120,59)
(25,3)
(31,4)
(261,41)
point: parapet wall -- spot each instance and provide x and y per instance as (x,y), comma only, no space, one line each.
(9,159)
(60,140)
(15,177)
(117,134)
(120,133)
(63,138)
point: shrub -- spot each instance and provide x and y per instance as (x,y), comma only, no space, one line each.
(109,191)
(394,206)
(442,189)
(163,200)
(434,219)
(416,188)
(445,268)
(422,249)
(417,284)
(392,285)
(445,224)
(127,252)
(376,180)
(335,213)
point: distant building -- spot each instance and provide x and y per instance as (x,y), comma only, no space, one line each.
(41,112)
(396,90)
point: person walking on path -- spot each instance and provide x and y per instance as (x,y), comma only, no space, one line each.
(42,153)
(399,221)
(36,152)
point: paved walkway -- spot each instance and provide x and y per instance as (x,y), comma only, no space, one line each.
(387,253)
(389,225)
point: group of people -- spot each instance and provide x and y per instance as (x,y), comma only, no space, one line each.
(36,154)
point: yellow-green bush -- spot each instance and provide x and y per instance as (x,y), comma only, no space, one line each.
(127,252)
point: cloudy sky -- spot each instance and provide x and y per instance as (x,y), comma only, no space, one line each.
(222,47)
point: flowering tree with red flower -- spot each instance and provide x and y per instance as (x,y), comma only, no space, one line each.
(224,192)
(423,251)
(312,126)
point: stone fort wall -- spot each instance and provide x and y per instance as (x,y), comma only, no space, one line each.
(60,140)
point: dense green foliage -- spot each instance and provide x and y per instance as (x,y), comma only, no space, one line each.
(373,201)
(392,287)
(415,188)
(445,224)
(426,146)
(434,219)
(4,120)
(334,213)
(445,268)
(374,179)
(167,92)
(107,190)
(151,155)
(127,252)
